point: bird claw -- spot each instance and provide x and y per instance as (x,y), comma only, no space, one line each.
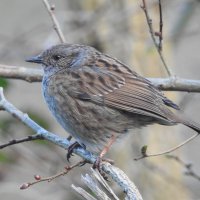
(97,164)
(71,148)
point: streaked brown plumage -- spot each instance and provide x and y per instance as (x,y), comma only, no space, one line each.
(94,96)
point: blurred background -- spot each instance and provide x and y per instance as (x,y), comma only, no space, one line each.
(117,28)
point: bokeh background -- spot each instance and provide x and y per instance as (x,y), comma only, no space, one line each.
(117,28)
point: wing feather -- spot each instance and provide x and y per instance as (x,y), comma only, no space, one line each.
(122,89)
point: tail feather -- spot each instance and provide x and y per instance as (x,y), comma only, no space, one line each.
(193,125)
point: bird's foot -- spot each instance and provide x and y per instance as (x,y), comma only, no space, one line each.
(99,159)
(71,148)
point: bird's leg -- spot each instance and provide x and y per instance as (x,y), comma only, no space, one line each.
(72,147)
(69,137)
(103,152)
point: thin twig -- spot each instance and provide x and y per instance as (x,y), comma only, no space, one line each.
(152,33)
(35,75)
(187,166)
(17,141)
(56,25)
(38,179)
(161,26)
(145,155)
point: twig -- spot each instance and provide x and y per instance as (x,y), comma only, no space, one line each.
(38,178)
(145,155)
(35,75)
(116,174)
(161,26)
(152,33)
(188,167)
(56,25)
(17,141)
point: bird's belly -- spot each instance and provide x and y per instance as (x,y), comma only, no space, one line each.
(90,124)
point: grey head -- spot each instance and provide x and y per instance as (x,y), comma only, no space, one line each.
(63,56)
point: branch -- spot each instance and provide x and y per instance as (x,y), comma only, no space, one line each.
(176,84)
(116,174)
(39,179)
(23,73)
(161,26)
(35,75)
(56,25)
(17,141)
(144,149)
(152,33)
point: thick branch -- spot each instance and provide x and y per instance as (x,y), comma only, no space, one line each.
(35,75)
(23,73)
(123,181)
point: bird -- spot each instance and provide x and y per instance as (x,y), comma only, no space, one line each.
(98,99)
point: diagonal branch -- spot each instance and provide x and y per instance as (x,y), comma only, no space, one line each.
(17,141)
(116,174)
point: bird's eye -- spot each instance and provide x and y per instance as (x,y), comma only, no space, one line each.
(56,57)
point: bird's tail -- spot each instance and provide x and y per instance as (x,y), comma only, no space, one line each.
(193,125)
(189,123)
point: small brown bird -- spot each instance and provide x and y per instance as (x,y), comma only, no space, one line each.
(97,98)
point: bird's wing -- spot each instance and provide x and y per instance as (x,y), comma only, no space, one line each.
(119,87)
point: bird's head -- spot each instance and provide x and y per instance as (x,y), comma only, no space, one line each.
(63,56)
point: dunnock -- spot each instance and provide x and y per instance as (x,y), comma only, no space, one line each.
(96,97)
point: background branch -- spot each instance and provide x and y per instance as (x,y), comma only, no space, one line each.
(152,33)
(35,75)
(56,25)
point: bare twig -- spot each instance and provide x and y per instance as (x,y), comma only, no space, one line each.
(17,141)
(187,166)
(145,155)
(38,179)
(152,33)
(56,25)
(116,174)
(35,75)
(161,26)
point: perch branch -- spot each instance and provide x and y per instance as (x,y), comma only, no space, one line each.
(116,174)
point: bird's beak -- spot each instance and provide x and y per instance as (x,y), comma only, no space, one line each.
(35,59)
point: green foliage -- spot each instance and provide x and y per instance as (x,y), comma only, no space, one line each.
(4,157)
(5,125)
(4,83)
